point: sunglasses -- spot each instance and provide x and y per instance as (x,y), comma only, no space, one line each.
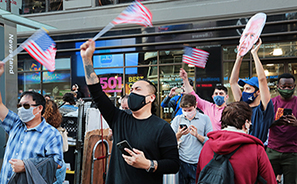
(26,106)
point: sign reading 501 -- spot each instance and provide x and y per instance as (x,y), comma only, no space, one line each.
(111,84)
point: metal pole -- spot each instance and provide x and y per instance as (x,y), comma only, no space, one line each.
(78,151)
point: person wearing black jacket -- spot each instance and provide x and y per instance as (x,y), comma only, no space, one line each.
(154,143)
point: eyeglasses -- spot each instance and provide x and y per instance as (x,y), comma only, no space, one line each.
(26,106)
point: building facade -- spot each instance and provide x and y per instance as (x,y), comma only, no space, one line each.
(131,52)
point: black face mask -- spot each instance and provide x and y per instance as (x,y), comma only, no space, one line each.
(136,102)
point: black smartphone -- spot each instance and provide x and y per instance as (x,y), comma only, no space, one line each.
(287,112)
(124,144)
(183,125)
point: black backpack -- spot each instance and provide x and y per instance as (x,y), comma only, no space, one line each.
(220,171)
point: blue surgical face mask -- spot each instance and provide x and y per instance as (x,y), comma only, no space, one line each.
(219,100)
(248,97)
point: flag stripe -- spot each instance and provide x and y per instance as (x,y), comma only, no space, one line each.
(42,48)
(195,57)
(135,13)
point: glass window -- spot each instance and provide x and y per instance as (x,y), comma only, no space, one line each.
(56,84)
(29,82)
(61,63)
(33,6)
(169,78)
(142,58)
(28,65)
(55,5)
(112,60)
(103,2)
(171,56)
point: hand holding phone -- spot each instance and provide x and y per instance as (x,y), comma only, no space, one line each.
(287,112)
(124,144)
(182,126)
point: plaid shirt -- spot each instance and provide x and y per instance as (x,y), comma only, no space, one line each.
(41,141)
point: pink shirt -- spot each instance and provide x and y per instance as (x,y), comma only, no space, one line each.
(212,111)
(283,138)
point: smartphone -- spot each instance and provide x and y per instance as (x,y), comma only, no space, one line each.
(183,125)
(122,145)
(287,112)
(178,90)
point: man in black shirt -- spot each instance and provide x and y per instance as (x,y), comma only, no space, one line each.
(154,143)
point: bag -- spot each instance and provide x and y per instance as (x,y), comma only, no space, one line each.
(219,170)
(64,133)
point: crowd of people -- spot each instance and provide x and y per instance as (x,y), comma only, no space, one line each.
(199,135)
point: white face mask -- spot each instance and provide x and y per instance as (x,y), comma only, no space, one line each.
(26,115)
(190,114)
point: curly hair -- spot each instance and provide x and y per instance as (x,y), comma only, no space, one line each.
(52,114)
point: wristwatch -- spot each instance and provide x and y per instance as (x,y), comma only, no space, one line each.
(151,168)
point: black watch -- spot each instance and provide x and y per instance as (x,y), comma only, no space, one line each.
(151,168)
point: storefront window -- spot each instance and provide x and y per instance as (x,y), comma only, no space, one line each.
(29,82)
(39,6)
(56,84)
(112,60)
(142,58)
(169,78)
(171,56)
(28,65)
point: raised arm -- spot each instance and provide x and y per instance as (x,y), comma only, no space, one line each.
(234,78)
(184,76)
(263,87)
(3,109)
(105,106)
(86,51)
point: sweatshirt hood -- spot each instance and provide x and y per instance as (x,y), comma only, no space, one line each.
(224,142)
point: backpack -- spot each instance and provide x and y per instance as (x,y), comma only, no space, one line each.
(219,170)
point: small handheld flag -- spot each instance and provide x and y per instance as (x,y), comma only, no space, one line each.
(195,57)
(41,47)
(135,13)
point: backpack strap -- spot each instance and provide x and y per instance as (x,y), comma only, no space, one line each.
(227,155)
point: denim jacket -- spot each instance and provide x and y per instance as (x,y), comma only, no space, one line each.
(38,171)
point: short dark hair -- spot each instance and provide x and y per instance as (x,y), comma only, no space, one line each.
(222,88)
(235,114)
(187,101)
(286,76)
(69,97)
(153,89)
(37,97)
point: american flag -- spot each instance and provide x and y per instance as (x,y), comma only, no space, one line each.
(195,57)
(42,48)
(136,13)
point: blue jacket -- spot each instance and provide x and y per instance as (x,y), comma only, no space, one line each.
(38,171)
(174,103)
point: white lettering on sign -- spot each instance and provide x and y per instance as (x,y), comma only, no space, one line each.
(10,40)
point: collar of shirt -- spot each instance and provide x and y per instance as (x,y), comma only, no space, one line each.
(38,128)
